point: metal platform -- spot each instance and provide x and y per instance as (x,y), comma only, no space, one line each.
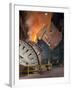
(55,72)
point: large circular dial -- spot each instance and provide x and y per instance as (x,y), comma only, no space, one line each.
(27,54)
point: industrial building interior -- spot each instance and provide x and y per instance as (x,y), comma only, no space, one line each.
(41,44)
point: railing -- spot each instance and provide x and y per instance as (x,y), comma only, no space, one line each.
(37,68)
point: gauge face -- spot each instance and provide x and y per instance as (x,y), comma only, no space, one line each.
(27,55)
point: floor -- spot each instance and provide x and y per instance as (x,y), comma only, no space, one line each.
(55,72)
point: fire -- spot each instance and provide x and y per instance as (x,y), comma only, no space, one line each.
(33,35)
(34,38)
(36,21)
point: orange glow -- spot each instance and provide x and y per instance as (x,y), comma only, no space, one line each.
(33,34)
(34,38)
(36,21)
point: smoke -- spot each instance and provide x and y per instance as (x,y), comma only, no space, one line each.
(36,21)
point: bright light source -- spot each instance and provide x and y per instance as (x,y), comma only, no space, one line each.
(46,14)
